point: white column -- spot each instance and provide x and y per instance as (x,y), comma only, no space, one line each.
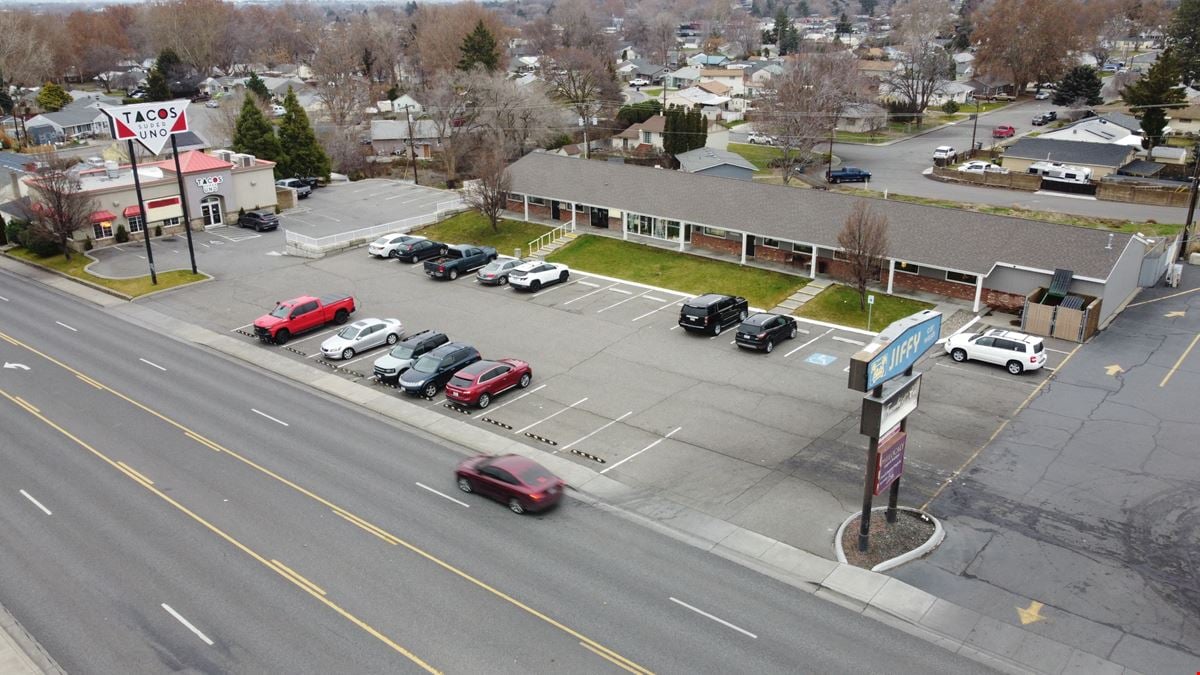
(891,274)
(624,230)
(978,293)
(743,248)
(574,210)
(682,229)
(525,199)
(812,264)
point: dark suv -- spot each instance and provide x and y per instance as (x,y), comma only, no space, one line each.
(432,371)
(401,357)
(710,313)
(258,220)
(764,330)
(421,249)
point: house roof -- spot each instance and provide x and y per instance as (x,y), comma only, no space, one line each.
(1092,130)
(959,240)
(72,117)
(706,158)
(1121,119)
(718,88)
(392,130)
(194,161)
(687,73)
(862,110)
(1190,113)
(1070,152)
(876,66)
(721,72)
(698,95)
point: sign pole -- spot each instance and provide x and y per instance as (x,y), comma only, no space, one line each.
(864,521)
(137,187)
(187,217)
(894,493)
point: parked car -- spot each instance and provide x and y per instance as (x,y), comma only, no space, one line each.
(388,246)
(260,221)
(757,138)
(360,336)
(212,103)
(302,314)
(278,110)
(302,189)
(1045,118)
(536,274)
(401,357)
(480,382)
(981,166)
(1004,131)
(639,82)
(458,260)
(416,251)
(945,153)
(433,370)
(848,174)
(515,480)
(496,272)
(313,182)
(765,330)
(1015,351)
(1041,95)
(712,312)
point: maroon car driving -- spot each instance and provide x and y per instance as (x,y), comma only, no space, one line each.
(521,483)
(480,382)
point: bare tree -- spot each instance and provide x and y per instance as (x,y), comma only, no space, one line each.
(1026,40)
(25,56)
(800,107)
(489,194)
(346,154)
(1104,22)
(515,115)
(336,68)
(453,106)
(62,207)
(581,80)
(923,64)
(581,28)
(200,31)
(440,30)
(742,31)
(864,240)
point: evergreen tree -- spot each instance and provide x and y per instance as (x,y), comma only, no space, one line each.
(6,101)
(868,6)
(1184,38)
(52,97)
(253,134)
(256,85)
(156,86)
(698,129)
(302,154)
(673,130)
(781,29)
(843,26)
(791,39)
(802,9)
(479,47)
(1157,90)
(1081,84)
(169,64)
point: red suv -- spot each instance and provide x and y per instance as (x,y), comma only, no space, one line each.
(517,481)
(1004,131)
(479,382)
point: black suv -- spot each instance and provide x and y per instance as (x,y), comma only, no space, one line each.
(258,220)
(710,313)
(1045,118)
(415,251)
(764,330)
(401,357)
(432,371)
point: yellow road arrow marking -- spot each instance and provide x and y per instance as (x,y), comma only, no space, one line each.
(1031,613)
(1113,370)
(1172,315)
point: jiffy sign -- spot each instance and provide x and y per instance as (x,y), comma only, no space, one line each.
(150,124)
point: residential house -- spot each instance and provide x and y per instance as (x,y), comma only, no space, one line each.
(1186,120)
(732,78)
(703,60)
(642,138)
(1165,154)
(646,70)
(716,162)
(520,65)
(959,92)
(66,124)
(1117,128)
(390,137)
(626,52)
(687,76)
(1102,158)
(407,102)
(964,66)
(758,77)
(862,118)
(712,105)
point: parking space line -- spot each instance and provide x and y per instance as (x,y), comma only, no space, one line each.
(360,358)
(588,283)
(651,297)
(668,435)
(1014,379)
(552,288)
(316,335)
(587,294)
(839,338)
(579,440)
(234,330)
(1056,351)
(809,342)
(677,302)
(528,427)
(621,290)
(615,304)
(520,397)
(724,332)
(804,331)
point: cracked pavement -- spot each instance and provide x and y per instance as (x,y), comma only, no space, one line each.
(1088,502)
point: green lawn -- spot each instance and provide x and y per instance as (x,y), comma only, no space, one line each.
(132,287)
(734,123)
(653,93)
(676,271)
(839,304)
(758,155)
(473,227)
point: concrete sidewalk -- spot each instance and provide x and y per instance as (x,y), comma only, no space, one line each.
(1003,646)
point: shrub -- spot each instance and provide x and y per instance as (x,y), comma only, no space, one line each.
(15,231)
(87,244)
(241,212)
(40,243)
(950,107)
(122,235)
(158,230)
(278,210)
(559,141)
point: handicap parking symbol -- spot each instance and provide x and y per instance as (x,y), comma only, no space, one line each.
(821,359)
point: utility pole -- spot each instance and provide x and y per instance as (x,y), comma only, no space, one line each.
(974,126)
(411,150)
(832,134)
(1187,225)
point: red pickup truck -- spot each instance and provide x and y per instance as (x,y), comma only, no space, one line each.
(1004,131)
(298,315)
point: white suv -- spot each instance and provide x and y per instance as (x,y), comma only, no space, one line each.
(1015,351)
(945,152)
(759,138)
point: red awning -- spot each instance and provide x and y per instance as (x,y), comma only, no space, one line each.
(103,216)
(132,211)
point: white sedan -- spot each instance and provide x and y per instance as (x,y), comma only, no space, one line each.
(536,274)
(639,82)
(388,246)
(980,166)
(361,336)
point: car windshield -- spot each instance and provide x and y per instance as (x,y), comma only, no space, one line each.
(280,311)
(695,311)
(401,352)
(494,266)
(427,364)
(349,333)
(535,476)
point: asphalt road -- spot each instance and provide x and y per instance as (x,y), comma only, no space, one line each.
(298,534)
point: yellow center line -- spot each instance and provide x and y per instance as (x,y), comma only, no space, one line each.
(297,577)
(401,542)
(606,657)
(134,473)
(1180,361)
(1165,297)
(229,538)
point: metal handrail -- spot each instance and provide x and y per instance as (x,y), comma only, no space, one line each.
(547,239)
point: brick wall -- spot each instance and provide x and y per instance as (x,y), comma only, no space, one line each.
(538,210)
(996,299)
(733,246)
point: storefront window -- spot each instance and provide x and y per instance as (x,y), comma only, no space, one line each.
(908,268)
(102,229)
(136,224)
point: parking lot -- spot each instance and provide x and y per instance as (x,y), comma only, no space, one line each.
(768,441)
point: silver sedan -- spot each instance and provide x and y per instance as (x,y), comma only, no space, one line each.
(361,336)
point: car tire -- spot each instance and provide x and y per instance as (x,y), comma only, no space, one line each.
(1015,367)
(453,275)
(516,506)
(430,390)
(282,337)
(525,380)
(535,286)
(392,338)
(347,354)
(959,355)
(484,401)
(563,277)
(464,484)
(502,281)
(716,329)
(393,253)
(770,346)
(340,316)
(792,334)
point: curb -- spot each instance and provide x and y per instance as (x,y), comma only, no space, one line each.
(931,543)
(20,653)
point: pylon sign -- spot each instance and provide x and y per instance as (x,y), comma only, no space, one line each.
(150,124)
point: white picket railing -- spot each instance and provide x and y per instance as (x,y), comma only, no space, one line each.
(548,238)
(304,245)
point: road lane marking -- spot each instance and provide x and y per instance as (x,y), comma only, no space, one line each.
(1165,297)
(234,330)
(605,288)
(719,620)
(66,326)
(606,657)
(479,583)
(298,578)
(1056,351)
(363,525)
(273,419)
(36,503)
(360,358)
(617,304)
(134,473)
(188,624)
(724,331)
(669,434)
(1180,361)
(678,302)
(839,338)
(526,428)
(3,298)
(26,405)
(152,364)
(555,287)
(542,386)
(808,343)
(572,444)
(442,495)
